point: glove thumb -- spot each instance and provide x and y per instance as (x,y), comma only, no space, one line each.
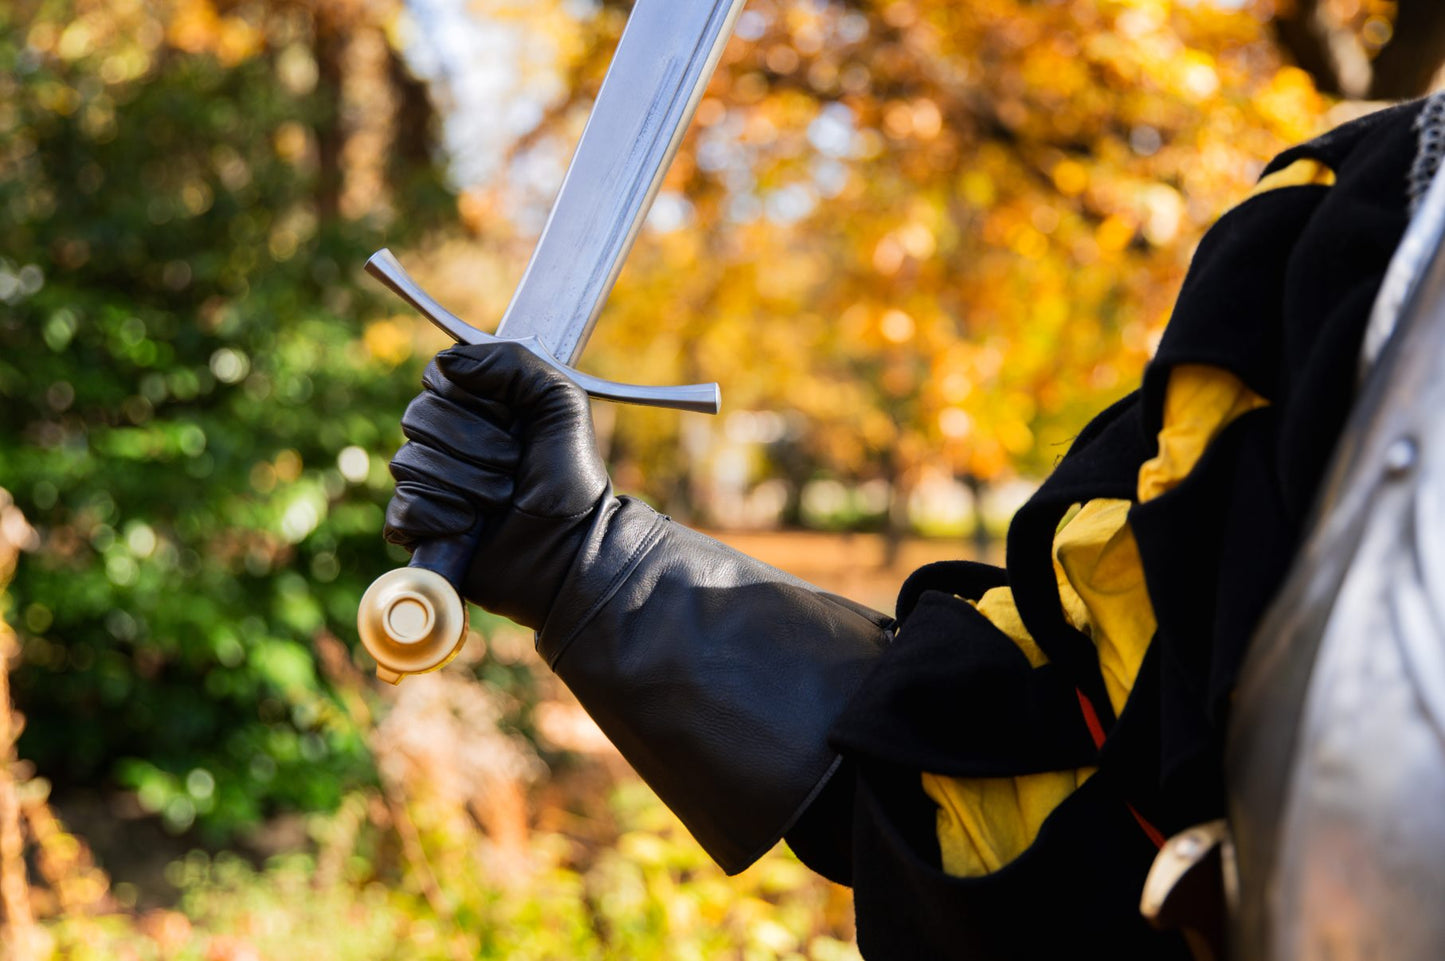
(507,372)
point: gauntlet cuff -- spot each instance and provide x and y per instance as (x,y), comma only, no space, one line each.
(717,676)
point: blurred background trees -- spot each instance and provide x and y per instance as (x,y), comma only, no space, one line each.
(918,242)
(1377,49)
(194,413)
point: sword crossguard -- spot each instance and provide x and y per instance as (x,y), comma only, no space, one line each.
(699,398)
(413,619)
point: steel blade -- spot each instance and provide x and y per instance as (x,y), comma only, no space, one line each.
(663,62)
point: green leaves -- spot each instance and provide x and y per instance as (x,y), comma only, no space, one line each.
(182,365)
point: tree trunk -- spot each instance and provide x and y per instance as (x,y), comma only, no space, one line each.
(1320,46)
(896,523)
(19,923)
(328,47)
(1335,57)
(1410,61)
(1299,32)
(981,539)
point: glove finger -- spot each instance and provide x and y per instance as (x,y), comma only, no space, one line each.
(481,486)
(529,386)
(561,473)
(434,421)
(419,512)
(479,403)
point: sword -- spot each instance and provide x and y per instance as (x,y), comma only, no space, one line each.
(413,619)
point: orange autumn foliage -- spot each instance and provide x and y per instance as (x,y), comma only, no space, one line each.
(945,233)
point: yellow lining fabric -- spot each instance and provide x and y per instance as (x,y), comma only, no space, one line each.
(1101,585)
(1302,173)
(1199,402)
(984,823)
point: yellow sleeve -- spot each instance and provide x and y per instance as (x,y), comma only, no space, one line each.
(984,823)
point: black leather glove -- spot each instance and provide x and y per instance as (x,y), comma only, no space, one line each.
(502,441)
(717,676)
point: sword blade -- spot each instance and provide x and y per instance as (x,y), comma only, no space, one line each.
(667,53)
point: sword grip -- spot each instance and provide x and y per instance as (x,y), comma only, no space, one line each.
(413,620)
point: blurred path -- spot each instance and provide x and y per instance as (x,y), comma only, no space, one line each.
(848,564)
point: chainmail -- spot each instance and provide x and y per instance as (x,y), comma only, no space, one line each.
(1431,127)
(1422,238)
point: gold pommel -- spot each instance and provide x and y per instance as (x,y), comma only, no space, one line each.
(412,621)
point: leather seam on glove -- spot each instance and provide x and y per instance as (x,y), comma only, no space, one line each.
(643,548)
(554,517)
(792,819)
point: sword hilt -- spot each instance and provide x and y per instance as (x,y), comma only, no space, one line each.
(413,619)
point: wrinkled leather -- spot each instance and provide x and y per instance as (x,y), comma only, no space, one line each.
(717,676)
(501,437)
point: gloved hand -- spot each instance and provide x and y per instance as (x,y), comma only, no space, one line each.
(717,676)
(502,441)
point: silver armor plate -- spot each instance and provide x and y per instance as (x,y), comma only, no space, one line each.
(1336,755)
